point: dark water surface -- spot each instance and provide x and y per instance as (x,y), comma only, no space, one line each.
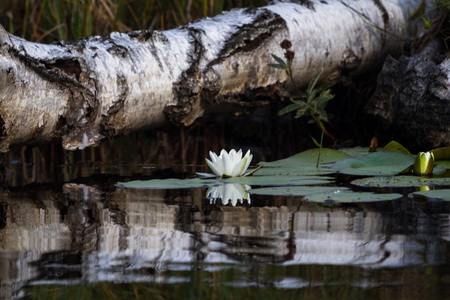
(66,232)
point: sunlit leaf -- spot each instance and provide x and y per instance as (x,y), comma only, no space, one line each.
(395,146)
(401,181)
(442,153)
(376,163)
(440,195)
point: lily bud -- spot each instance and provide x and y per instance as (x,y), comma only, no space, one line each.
(424,164)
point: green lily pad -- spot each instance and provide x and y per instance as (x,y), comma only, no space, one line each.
(401,181)
(442,195)
(309,157)
(355,151)
(295,190)
(443,164)
(350,197)
(168,183)
(376,163)
(295,170)
(279,180)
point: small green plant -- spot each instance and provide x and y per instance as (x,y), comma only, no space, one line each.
(311,102)
(320,146)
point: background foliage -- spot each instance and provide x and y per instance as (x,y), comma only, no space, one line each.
(49,20)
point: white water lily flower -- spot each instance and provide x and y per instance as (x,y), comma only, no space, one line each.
(229,193)
(229,164)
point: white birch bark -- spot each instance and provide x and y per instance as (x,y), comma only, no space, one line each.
(84,90)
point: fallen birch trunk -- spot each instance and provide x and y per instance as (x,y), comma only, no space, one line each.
(102,86)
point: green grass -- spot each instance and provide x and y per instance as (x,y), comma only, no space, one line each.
(50,20)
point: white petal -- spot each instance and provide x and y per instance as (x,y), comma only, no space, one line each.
(214,167)
(213,156)
(249,160)
(240,168)
(228,165)
(222,153)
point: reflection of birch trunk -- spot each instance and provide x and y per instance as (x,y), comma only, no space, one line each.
(98,86)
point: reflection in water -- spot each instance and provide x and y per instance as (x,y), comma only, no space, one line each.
(229,193)
(86,235)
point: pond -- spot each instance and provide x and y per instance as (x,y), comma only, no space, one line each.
(68,232)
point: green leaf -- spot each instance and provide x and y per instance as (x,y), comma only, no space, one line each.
(279,61)
(311,96)
(309,157)
(442,153)
(440,195)
(289,108)
(296,190)
(326,85)
(395,146)
(277,66)
(350,197)
(316,142)
(287,180)
(168,183)
(296,169)
(376,163)
(302,111)
(313,82)
(323,98)
(356,151)
(401,181)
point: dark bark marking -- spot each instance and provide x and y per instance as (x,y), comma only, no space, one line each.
(151,36)
(385,17)
(2,128)
(122,83)
(350,61)
(250,36)
(187,89)
(65,71)
(196,84)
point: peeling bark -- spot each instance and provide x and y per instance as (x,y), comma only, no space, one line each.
(101,86)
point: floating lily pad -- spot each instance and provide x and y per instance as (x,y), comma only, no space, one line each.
(443,164)
(440,195)
(355,151)
(350,197)
(309,157)
(279,180)
(295,190)
(401,181)
(168,183)
(376,163)
(295,170)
